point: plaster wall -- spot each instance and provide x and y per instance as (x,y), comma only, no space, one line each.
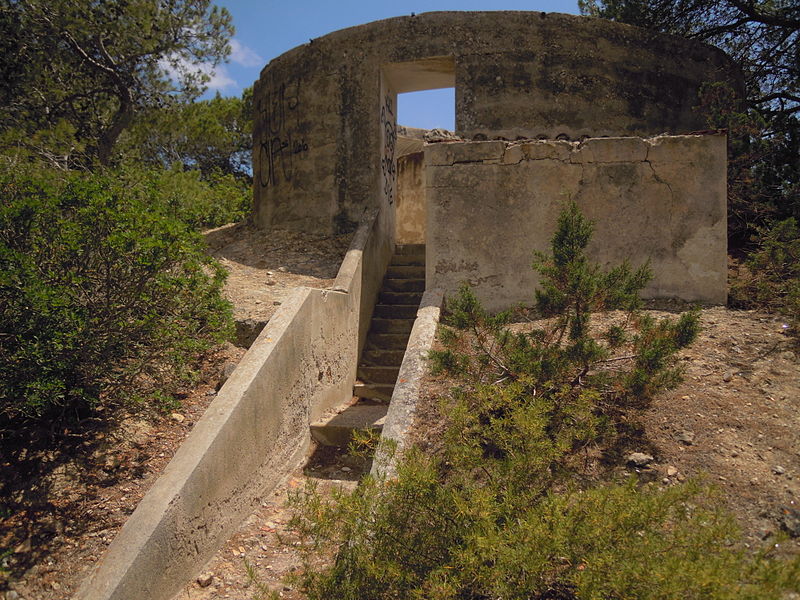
(663,199)
(253,434)
(410,212)
(320,133)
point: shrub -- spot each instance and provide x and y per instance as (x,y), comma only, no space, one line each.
(772,273)
(104,294)
(507,510)
(199,200)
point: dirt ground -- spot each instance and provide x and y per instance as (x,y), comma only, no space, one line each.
(264,267)
(63,508)
(266,542)
(734,421)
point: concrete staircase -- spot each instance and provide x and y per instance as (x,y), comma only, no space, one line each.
(392,320)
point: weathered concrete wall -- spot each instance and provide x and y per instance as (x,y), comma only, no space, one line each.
(325,112)
(410,213)
(491,204)
(253,434)
(366,262)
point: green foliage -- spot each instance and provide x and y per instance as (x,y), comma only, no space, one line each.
(506,510)
(212,136)
(773,273)
(421,537)
(97,65)
(105,295)
(197,199)
(565,355)
(762,37)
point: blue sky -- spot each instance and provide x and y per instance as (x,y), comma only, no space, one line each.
(269,28)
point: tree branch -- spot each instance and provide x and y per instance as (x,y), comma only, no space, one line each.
(778,20)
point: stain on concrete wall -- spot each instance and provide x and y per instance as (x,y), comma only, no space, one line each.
(662,199)
(318,136)
(411,199)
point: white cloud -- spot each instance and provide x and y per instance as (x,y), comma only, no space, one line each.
(242,55)
(219,79)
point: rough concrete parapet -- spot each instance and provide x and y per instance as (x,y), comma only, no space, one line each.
(660,199)
(402,408)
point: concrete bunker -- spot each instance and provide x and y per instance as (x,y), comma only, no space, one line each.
(327,140)
(323,150)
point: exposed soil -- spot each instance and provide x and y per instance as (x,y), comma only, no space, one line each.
(734,420)
(265,540)
(265,266)
(61,508)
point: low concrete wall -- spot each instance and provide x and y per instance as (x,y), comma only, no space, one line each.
(252,434)
(491,204)
(411,199)
(403,406)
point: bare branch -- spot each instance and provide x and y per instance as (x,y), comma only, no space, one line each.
(778,20)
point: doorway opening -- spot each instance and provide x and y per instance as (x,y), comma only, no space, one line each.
(425,92)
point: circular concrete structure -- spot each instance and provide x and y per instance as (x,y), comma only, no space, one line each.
(326,122)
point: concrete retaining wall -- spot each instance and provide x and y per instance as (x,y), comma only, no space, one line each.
(253,434)
(491,204)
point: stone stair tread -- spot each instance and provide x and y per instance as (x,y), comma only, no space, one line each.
(381,374)
(405,272)
(382,358)
(391,325)
(395,311)
(408,260)
(400,297)
(373,391)
(409,249)
(403,285)
(337,429)
(386,341)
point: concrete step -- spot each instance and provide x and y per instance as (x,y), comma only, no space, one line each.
(373,391)
(386,341)
(409,249)
(405,272)
(400,298)
(395,311)
(378,374)
(382,358)
(403,285)
(408,260)
(337,430)
(391,325)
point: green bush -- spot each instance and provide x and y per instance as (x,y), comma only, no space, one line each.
(507,509)
(772,277)
(201,200)
(105,294)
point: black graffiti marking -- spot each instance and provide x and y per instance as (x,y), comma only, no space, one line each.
(388,163)
(277,146)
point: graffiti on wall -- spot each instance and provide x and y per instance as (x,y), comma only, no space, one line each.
(280,143)
(388,162)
